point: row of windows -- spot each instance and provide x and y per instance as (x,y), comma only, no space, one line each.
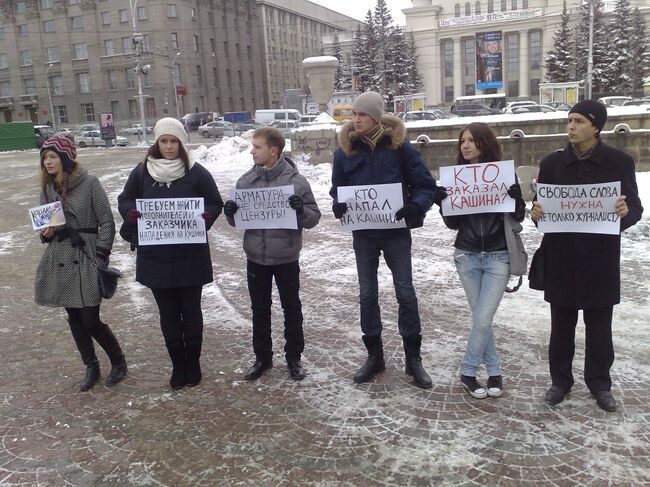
(490,7)
(141,12)
(512,89)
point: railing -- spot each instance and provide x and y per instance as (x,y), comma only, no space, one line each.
(6,101)
(28,100)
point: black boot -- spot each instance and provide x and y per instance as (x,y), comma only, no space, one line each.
(375,361)
(193,362)
(118,372)
(414,361)
(92,375)
(177,354)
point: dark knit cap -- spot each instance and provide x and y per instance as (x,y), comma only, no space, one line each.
(64,148)
(594,111)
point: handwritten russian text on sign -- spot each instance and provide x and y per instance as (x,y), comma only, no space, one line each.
(478,188)
(168,221)
(268,208)
(371,206)
(49,215)
(580,208)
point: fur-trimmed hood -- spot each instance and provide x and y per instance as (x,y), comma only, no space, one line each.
(394,129)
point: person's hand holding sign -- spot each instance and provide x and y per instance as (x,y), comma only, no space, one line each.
(409,211)
(536,212)
(47,232)
(339,209)
(620,207)
(230,208)
(296,203)
(133,216)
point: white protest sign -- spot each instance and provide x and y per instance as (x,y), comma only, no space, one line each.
(268,208)
(580,208)
(478,188)
(371,206)
(167,221)
(49,215)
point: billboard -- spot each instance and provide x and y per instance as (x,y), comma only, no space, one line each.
(107,128)
(489,60)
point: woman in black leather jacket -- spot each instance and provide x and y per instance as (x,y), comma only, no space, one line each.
(483,264)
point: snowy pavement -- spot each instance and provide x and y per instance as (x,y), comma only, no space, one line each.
(324,430)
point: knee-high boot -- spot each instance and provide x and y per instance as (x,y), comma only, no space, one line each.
(84,343)
(193,362)
(414,367)
(375,361)
(176,351)
(106,339)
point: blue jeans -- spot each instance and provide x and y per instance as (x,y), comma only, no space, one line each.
(397,254)
(484,276)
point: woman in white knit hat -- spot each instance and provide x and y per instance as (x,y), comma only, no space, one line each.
(174,273)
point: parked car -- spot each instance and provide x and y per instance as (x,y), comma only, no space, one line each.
(532,109)
(614,101)
(285,127)
(66,132)
(192,121)
(42,132)
(93,138)
(88,127)
(245,127)
(560,105)
(307,119)
(642,101)
(135,129)
(217,128)
(472,109)
(513,104)
(422,115)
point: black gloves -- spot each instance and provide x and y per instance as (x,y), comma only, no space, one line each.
(296,203)
(230,208)
(410,211)
(339,209)
(441,194)
(514,191)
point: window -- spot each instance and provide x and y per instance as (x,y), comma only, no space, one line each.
(29,86)
(173,38)
(512,53)
(449,93)
(535,49)
(124,15)
(109,49)
(146,43)
(193,13)
(56,84)
(513,88)
(504,5)
(524,4)
(77,22)
(111,79)
(22,30)
(448,56)
(83,81)
(534,87)
(5,88)
(142,13)
(195,43)
(2,33)
(60,114)
(470,89)
(80,51)
(177,74)
(490,6)
(53,54)
(74,2)
(470,57)
(115,108)
(106,18)
(25,57)
(171,10)
(468,9)
(45,4)
(199,75)
(3,61)
(477,8)
(249,52)
(88,112)
(225,49)
(151,108)
(49,26)
(146,80)
(129,75)
(127,45)
(514,4)
(21,7)
(133,109)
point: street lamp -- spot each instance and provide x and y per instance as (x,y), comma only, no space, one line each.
(138,40)
(178,114)
(49,96)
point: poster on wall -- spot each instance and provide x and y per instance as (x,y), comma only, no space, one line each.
(489,60)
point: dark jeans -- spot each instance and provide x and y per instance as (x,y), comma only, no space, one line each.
(181,318)
(287,279)
(599,349)
(86,325)
(397,254)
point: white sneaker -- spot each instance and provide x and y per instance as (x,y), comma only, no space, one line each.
(494,386)
(473,387)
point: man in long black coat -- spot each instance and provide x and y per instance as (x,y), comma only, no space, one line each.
(582,270)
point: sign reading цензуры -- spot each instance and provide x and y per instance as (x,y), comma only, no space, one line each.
(264,208)
(166,221)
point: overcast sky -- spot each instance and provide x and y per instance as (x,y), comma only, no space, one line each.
(358,8)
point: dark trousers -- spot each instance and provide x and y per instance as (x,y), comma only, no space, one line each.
(599,349)
(181,318)
(287,279)
(86,325)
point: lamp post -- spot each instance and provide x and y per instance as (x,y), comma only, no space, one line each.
(178,113)
(49,96)
(138,40)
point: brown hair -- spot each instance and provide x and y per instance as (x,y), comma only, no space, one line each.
(154,151)
(59,181)
(485,141)
(272,136)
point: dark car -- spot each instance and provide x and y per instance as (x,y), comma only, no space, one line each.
(192,121)
(471,110)
(42,132)
(245,127)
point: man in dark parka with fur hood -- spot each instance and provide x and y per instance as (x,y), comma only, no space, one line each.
(373,150)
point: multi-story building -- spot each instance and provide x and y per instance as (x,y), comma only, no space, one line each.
(67,60)
(519,31)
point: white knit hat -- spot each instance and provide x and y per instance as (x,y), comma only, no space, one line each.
(170,126)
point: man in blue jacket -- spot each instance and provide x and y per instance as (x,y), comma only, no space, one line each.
(373,150)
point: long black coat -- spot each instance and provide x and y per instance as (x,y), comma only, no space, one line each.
(170,266)
(582,270)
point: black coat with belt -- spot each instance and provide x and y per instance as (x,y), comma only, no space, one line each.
(171,266)
(582,270)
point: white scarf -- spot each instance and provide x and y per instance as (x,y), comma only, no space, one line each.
(166,171)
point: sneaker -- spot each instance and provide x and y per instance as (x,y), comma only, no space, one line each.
(473,387)
(495,386)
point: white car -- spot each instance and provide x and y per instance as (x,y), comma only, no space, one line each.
(92,138)
(135,129)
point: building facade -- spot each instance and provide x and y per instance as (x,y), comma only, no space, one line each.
(65,61)
(520,31)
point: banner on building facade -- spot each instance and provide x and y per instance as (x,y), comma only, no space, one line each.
(489,60)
